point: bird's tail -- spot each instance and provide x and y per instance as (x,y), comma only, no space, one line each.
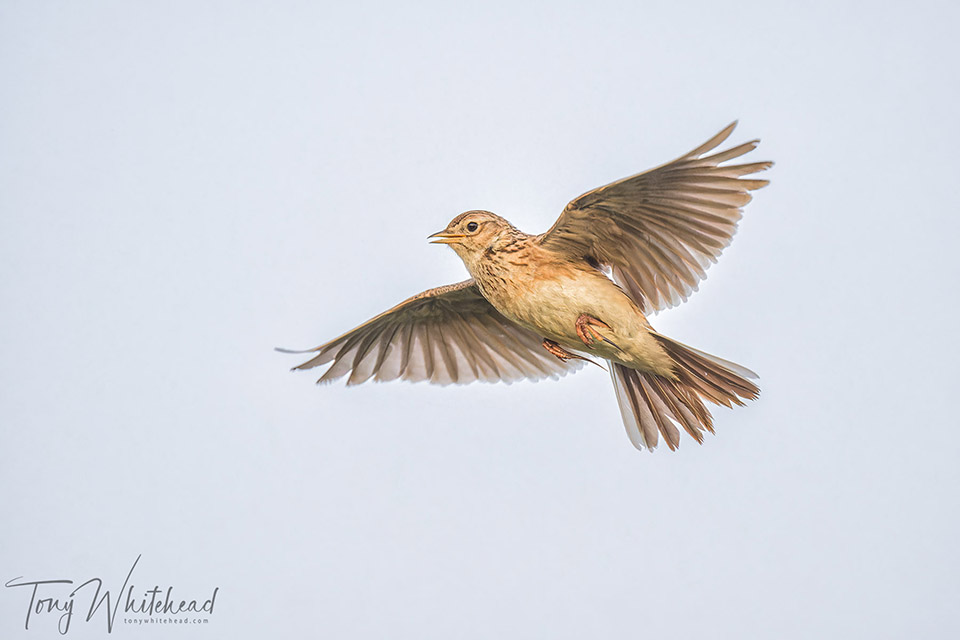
(652,405)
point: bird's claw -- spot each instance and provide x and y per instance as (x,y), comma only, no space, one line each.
(585,329)
(565,355)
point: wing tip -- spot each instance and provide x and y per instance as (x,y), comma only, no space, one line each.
(714,142)
(284,350)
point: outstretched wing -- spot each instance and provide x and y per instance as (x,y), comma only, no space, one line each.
(445,335)
(658,231)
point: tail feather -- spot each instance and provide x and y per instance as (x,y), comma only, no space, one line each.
(660,410)
(653,406)
(636,413)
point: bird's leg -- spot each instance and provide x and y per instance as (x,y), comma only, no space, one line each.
(589,335)
(565,355)
(559,351)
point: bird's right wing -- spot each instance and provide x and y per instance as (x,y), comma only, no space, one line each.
(658,231)
(450,334)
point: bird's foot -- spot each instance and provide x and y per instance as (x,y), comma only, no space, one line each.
(559,351)
(589,335)
(565,355)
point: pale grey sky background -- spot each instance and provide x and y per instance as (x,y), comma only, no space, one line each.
(184,186)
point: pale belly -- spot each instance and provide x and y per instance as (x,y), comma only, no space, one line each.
(550,307)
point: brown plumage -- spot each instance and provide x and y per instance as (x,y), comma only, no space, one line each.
(538,305)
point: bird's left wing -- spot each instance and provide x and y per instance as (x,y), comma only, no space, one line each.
(446,335)
(658,231)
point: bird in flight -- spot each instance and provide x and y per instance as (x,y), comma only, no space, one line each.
(539,306)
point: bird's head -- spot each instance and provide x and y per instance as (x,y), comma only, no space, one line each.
(470,233)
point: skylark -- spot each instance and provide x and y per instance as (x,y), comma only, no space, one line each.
(538,306)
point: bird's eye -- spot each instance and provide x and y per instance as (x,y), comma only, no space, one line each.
(471,226)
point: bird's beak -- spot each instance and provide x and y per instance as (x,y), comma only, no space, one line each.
(444,237)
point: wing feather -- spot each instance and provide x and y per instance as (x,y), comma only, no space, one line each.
(473,347)
(445,335)
(660,230)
